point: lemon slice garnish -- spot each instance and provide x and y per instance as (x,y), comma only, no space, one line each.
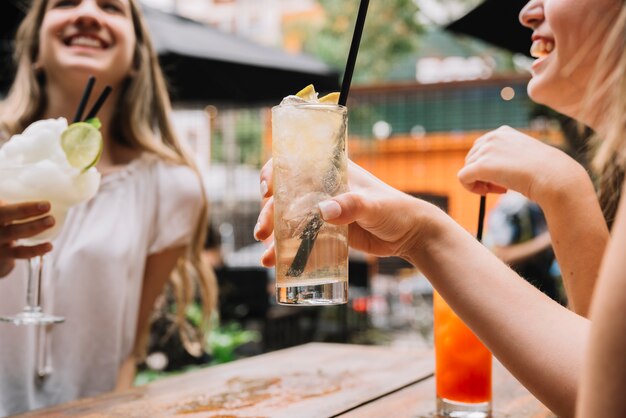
(308,93)
(82,144)
(330,98)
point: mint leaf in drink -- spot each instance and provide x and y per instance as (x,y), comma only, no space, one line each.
(95,122)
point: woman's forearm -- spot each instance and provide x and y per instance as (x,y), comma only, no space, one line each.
(579,236)
(539,341)
(126,374)
(604,376)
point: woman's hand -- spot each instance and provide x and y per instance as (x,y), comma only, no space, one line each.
(508,159)
(13,227)
(383,221)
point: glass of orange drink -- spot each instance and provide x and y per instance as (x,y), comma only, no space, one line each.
(463,366)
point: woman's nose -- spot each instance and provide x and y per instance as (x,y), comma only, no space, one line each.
(531,15)
(88,14)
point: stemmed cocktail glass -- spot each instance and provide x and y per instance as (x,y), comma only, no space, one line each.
(15,188)
(47,163)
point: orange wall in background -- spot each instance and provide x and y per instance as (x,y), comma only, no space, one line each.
(427,165)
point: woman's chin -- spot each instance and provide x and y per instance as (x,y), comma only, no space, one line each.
(536,91)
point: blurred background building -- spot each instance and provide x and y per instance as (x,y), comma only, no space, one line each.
(421,95)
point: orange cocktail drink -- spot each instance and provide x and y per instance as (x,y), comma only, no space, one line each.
(463,366)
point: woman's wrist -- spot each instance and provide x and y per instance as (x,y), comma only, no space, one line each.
(431,227)
(575,185)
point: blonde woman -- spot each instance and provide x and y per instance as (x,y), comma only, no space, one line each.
(116,252)
(576,366)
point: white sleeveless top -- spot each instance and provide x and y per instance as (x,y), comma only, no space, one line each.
(94,279)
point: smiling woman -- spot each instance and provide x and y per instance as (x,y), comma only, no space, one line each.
(115,253)
(566,56)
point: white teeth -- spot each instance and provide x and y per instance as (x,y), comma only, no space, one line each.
(85,41)
(541,48)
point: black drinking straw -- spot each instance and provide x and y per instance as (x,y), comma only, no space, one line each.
(84,99)
(354,51)
(309,235)
(481,218)
(99,102)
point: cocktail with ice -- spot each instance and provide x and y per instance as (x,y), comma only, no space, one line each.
(310,165)
(48,162)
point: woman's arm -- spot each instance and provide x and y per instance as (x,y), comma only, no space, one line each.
(158,270)
(604,375)
(508,159)
(539,341)
(579,237)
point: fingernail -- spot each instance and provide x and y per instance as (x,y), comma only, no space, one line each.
(262,259)
(264,188)
(48,221)
(43,206)
(256,231)
(329,209)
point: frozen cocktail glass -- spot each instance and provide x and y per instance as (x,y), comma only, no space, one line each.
(310,163)
(463,366)
(35,166)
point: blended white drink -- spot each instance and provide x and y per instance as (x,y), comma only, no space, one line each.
(34,167)
(310,165)
(51,162)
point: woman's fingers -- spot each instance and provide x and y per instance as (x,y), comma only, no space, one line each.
(268,259)
(8,254)
(475,150)
(15,231)
(21,211)
(265,222)
(24,252)
(473,176)
(11,231)
(353,207)
(267,180)
(342,209)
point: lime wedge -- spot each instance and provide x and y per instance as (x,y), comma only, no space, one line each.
(82,144)
(330,98)
(308,93)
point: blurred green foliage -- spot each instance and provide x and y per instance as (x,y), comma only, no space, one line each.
(391,33)
(221,342)
(224,340)
(249,125)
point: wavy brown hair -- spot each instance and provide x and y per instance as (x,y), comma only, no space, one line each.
(607,97)
(141,121)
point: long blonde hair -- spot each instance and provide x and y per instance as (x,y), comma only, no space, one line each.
(607,97)
(142,122)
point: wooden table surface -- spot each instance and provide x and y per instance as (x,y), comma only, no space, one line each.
(308,381)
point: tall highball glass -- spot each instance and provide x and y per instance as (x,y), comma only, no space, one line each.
(310,165)
(463,367)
